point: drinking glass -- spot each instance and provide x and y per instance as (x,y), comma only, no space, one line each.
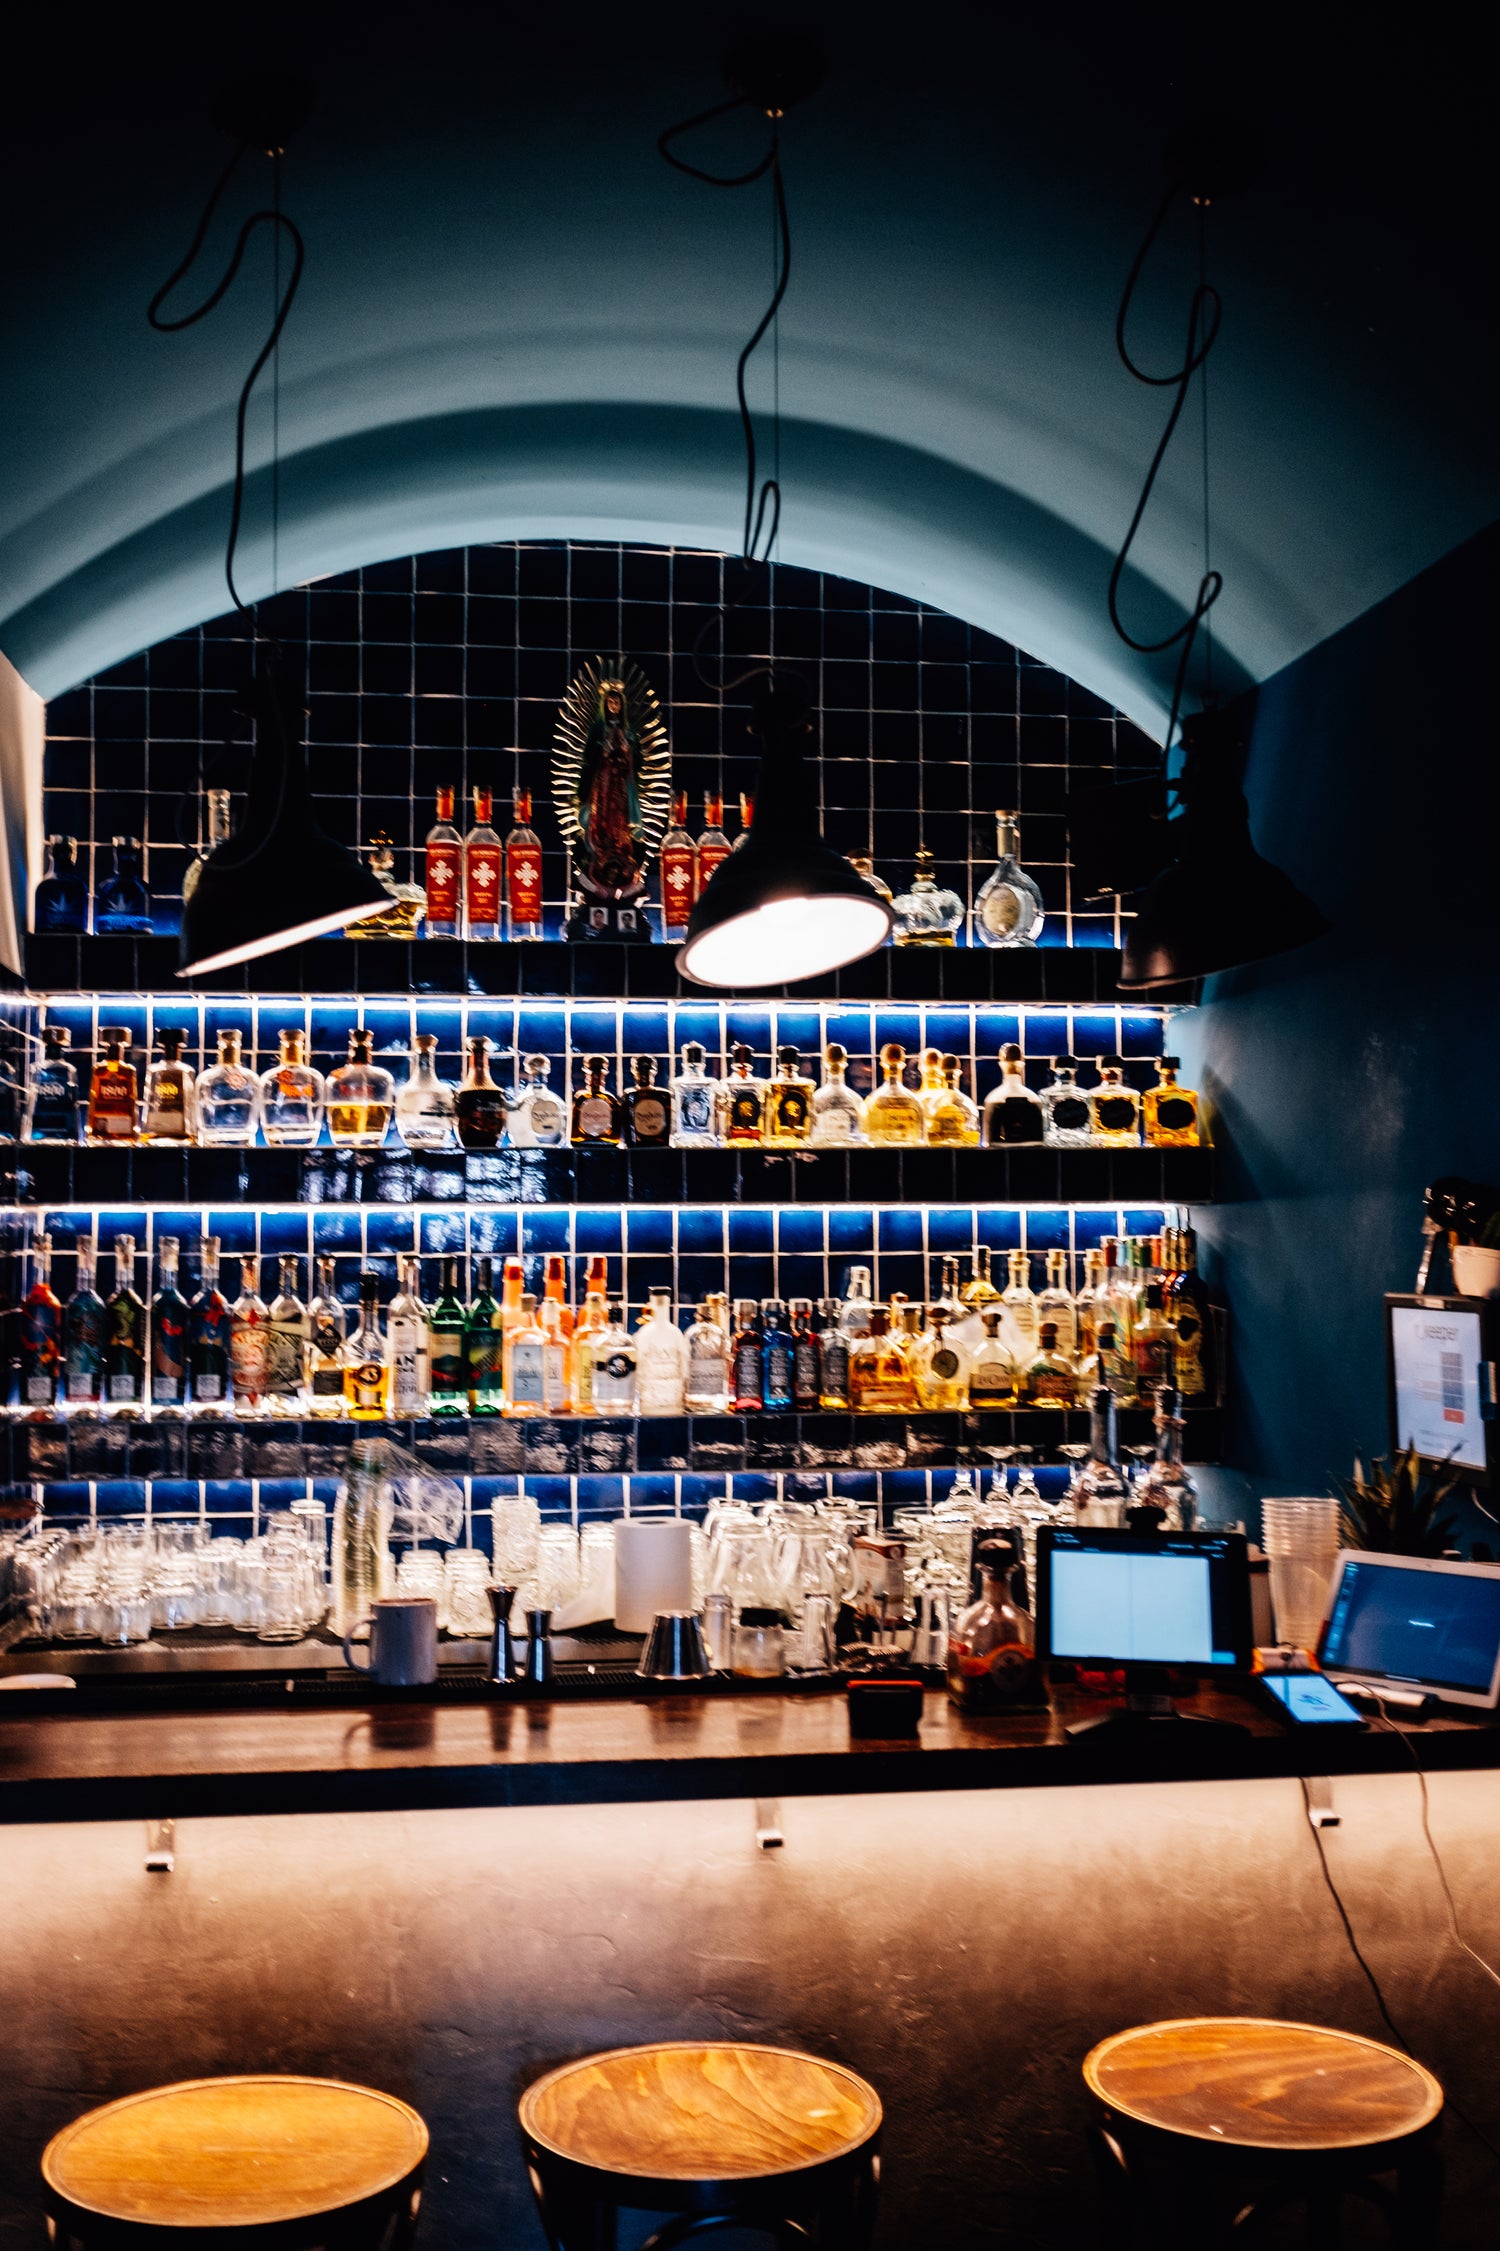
(466,1602)
(1301,1540)
(559,1567)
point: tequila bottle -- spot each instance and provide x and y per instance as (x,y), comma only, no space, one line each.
(647,1108)
(928,914)
(1151,1344)
(1055,1304)
(692,1101)
(112,1090)
(482,872)
(747,819)
(122,904)
(1049,1378)
(361,1097)
(287,1333)
(52,1108)
(679,873)
(325,1348)
(1190,1312)
(209,1330)
(426,1110)
(1114,1107)
(778,1352)
(590,1326)
(1100,1494)
(218,803)
(538,1117)
(444,871)
(367,1378)
(228,1098)
(858,1312)
(706,1384)
(992,1370)
(557,1361)
(125,1336)
(447,1353)
(952,1118)
(807,1357)
(1169,1112)
(741,1101)
(662,1359)
(83,1333)
(614,1366)
(41,1335)
(481,1108)
(169,1106)
(979,1291)
(833,1355)
(892,1115)
(713,844)
(1012,1113)
(555,1292)
(523,873)
(291,1096)
(484,1346)
(929,1077)
(525,1354)
(169,1333)
(789,1101)
(1090,1305)
(747,1378)
(1019,1299)
(62,896)
(1008,908)
(596,1111)
(1065,1108)
(1167,1485)
(248,1342)
(939,1366)
(835,1106)
(879,1372)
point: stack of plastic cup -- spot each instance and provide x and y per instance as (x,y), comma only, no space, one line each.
(1301,1539)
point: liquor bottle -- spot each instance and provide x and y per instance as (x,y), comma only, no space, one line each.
(218,802)
(1090,1305)
(746,1369)
(324,1379)
(538,1117)
(713,844)
(1151,1345)
(778,1352)
(112,1089)
(169,1333)
(1012,1113)
(482,872)
(858,1309)
(291,1096)
(863,865)
(939,1366)
(523,872)
(209,1327)
(288,1330)
(992,1370)
(361,1097)
(892,1115)
(484,1346)
(83,1333)
(367,1378)
(835,1106)
(1167,1485)
(661,1360)
(590,1326)
(679,873)
(248,1342)
(647,1108)
(833,1355)
(991,1658)
(1169,1112)
(524,1350)
(706,1385)
(1114,1107)
(426,1109)
(952,1117)
(1100,1494)
(1019,1300)
(1008,908)
(444,871)
(614,1366)
(52,1109)
(741,1101)
(1065,1108)
(929,1077)
(1049,1378)
(692,1101)
(596,1111)
(169,1105)
(747,819)
(125,1336)
(481,1108)
(122,904)
(807,1357)
(557,1361)
(1190,1313)
(979,1292)
(555,1292)
(879,1371)
(1110,1362)
(512,1290)
(1055,1304)
(41,1336)
(789,1099)
(447,1351)
(62,896)
(928,914)
(228,1098)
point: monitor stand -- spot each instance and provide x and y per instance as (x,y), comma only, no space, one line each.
(1147,1709)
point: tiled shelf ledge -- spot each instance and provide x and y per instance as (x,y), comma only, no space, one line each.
(88,1451)
(53,1174)
(372,968)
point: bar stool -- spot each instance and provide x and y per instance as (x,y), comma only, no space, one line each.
(280,2163)
(1206,2121)
(713,2132)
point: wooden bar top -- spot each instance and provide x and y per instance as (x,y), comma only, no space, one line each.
(395,1755)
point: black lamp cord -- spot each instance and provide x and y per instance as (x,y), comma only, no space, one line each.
(1205,317)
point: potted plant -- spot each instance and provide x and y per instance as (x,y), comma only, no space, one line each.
(1396,1508)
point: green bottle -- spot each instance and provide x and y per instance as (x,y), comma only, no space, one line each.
(448,1350)
(484,1349)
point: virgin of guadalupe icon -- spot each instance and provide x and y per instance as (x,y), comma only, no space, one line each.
(611,789)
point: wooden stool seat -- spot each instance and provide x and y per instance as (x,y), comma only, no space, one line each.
(271,2159)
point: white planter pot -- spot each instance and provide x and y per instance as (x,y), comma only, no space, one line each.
(1476,1271)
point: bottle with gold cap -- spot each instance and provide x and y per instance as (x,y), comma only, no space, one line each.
(952,1117)
(1008,908)
(892,1115)
(1169,1112)
(927,914)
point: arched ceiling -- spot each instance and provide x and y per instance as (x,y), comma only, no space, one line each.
(517,322)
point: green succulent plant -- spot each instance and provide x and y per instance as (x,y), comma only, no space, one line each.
(1395,1507)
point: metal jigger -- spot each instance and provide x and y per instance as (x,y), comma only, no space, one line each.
(538,1648)
(503,1666)
(675,1648)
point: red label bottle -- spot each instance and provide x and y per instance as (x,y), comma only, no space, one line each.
(482,871)
(679,870)
(713,844)
(445,859)
(523,872)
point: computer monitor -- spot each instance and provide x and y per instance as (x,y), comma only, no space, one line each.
(1408,1621)
(1143,1599)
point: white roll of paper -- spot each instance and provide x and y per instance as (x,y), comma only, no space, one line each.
(653,1570)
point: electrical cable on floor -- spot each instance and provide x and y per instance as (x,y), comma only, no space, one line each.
(1410,1749)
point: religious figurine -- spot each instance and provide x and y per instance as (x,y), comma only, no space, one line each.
(611,781)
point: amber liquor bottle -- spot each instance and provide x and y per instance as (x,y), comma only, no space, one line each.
(481,1107)
(523,873)
(679,873)
(444,871)
(596,1111)
(648,1108)
(112,1090)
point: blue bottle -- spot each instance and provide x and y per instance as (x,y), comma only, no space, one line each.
(62,896)
(52,1114)
(778,1357)
(122,904)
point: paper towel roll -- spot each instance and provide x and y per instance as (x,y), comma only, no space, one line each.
(653,1570)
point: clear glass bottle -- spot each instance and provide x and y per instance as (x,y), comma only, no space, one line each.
(807,1357)
(52,1105)
(706,1384)
(778,1353)
(1012,1113)
(1114,1107)
(858,1308)
(713,844)
(361,1097)
(693,1101)
(1167,1484)
(288,1328)
(596,1110)
(482,872)
(833,1352)
(879,1371)
(169,1105)
(525,1352)
(679,873)
(41,1335)
(789,1100)
(1089,1304)
(426,1109)
(523,872)
(614,1366)
(992,1369)
(249,1344)
(1065,1108)
(406,1344)
(169,1333)
(1019,1299)
(1170,1113)
(1100,1494)
(122,904)
(447,1352)
(228,1098)
(325,1348)
(928,914)
(443,870)
(940,1366)
(291,1096)
(113,1090)
(647,1108)
(589,1327)
(482,1111)
(1151,1344)
(367,1376)
(979,1292)
(741,1101)
(1055,1304)
(1049,1378)
(991,1662)
(484,1345)
(835,1105)
(84,1318)
(209,1330)
(1008,906)
(952,1118)
(747,1375)
(360,1568)
(662,1360)
(125,1336)
(62,896)
(538,1116)
(218,804)
(892,1115)
(929,1077)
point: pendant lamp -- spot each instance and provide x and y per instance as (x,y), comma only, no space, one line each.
(784,905)
(280,877)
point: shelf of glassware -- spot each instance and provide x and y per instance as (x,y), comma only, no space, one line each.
(97,1449)
(372,968)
